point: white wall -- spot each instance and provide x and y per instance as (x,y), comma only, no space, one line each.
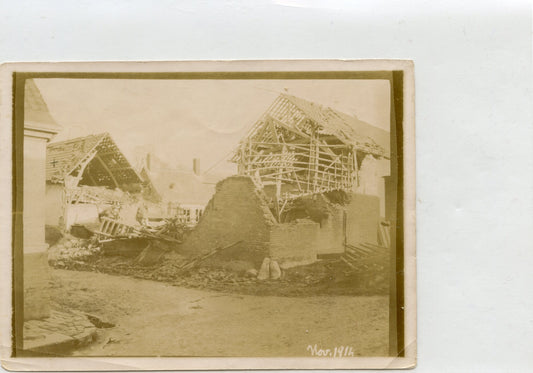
(54,200)
(371,179)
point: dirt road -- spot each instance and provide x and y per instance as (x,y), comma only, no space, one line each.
(158,319)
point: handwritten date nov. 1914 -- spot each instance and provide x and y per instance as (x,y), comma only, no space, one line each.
(337,351)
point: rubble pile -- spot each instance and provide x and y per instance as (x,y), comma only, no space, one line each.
(71,248)
(323,277)
(152,257)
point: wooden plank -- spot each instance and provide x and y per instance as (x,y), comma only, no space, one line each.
(348,263)
(289,128)
(195,261)
(358,246)
(352,257)
(357,249)
(374,247)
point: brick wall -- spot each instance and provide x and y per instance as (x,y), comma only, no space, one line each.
(236,212)
(294,243)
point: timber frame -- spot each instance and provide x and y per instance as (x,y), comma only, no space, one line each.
(302,148)
(93,160)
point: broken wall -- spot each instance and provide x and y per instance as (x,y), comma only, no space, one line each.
(294,243)
(237,211)
(330,215)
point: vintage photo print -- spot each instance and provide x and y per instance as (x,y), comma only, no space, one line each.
(213,215)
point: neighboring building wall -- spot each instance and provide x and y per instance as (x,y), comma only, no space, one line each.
(54,204)
(295,243)
(39,128)
(362,219)
(371,179)
(236,212)
(36,277)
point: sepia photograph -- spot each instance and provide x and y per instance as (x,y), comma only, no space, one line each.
(214,210)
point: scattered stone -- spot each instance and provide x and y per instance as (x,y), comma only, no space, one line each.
(112,340)
(264,272)
(96,321)
(251,273)
(275,270)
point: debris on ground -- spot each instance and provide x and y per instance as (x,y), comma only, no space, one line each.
(127,247)
(362,269)
(367,261)
(99,323)
(169,230)
(198,259)
(151,254)
(72,248)
(322,277)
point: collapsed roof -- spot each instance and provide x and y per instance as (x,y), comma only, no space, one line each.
(93,160)
(306,148)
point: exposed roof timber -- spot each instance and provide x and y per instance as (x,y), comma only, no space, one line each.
(92,151)
(290,128)
(70,157)
(108,171)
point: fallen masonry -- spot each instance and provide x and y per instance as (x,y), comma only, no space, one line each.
(210,271)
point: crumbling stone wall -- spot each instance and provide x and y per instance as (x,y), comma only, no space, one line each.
(237,211)
(294,243)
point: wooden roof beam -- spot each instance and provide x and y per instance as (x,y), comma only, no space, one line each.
(108,171)
(289,128)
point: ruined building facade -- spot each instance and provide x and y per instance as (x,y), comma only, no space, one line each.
(311,180)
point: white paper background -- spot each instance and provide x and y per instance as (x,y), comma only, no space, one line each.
(473,71)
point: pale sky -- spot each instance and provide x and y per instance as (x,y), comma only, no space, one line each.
(179,120)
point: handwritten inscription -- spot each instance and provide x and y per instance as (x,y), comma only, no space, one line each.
(337,351)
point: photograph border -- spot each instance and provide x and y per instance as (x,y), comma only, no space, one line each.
(399,72)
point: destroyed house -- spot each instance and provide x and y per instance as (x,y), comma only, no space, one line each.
(299,148)
(303,189)
(84,176)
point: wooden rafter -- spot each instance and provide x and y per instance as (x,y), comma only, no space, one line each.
(289,128)
(289,146)
(83,165)
(107,170)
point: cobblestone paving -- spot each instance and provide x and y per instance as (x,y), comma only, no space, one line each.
(60,328)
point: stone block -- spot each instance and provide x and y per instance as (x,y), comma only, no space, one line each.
(295,243)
